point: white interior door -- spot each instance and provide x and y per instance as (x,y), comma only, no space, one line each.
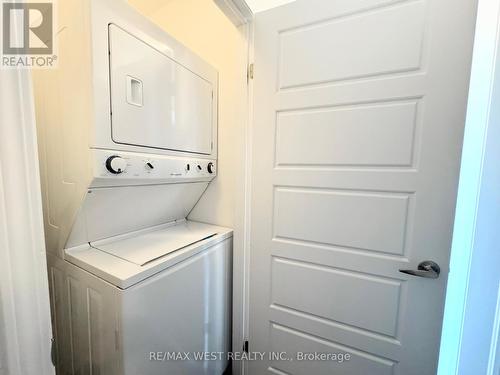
(358,125)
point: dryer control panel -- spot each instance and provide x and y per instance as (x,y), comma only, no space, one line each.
(115,168)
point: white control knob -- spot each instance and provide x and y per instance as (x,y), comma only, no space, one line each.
(116,164)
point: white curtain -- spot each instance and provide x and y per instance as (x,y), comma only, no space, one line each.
(25,328)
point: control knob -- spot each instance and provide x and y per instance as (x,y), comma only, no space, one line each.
(210,168)
(115,164)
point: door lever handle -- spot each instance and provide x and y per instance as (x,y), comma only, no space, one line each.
(427,269)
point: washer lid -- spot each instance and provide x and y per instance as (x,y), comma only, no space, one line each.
(123,273)
(150,246)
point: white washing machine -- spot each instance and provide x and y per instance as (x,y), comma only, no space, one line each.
(128,145)
(154,301)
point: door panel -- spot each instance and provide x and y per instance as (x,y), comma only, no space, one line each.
(343,301)
(359,109)
(325,137)
(291,340)
(370,221)
(364,45)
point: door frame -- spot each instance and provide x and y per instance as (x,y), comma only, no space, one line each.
(240,14)
(237,11)
(475,175)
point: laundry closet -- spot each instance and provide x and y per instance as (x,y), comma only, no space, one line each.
(216,180)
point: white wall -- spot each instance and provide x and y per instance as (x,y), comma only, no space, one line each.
(149,7)
(261,5)
(202,27)
(480,346)
(471,324)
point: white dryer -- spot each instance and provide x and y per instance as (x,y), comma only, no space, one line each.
(128,145)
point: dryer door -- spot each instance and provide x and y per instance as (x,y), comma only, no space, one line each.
(155,101)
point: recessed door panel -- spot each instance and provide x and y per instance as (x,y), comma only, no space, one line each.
(155,101)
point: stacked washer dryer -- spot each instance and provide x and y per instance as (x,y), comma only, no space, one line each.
(128,144)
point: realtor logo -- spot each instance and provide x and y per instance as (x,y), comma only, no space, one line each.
(28,34)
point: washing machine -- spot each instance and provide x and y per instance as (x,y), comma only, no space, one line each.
(127,130)
(154,301)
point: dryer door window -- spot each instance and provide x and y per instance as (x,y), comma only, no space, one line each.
(155,101)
